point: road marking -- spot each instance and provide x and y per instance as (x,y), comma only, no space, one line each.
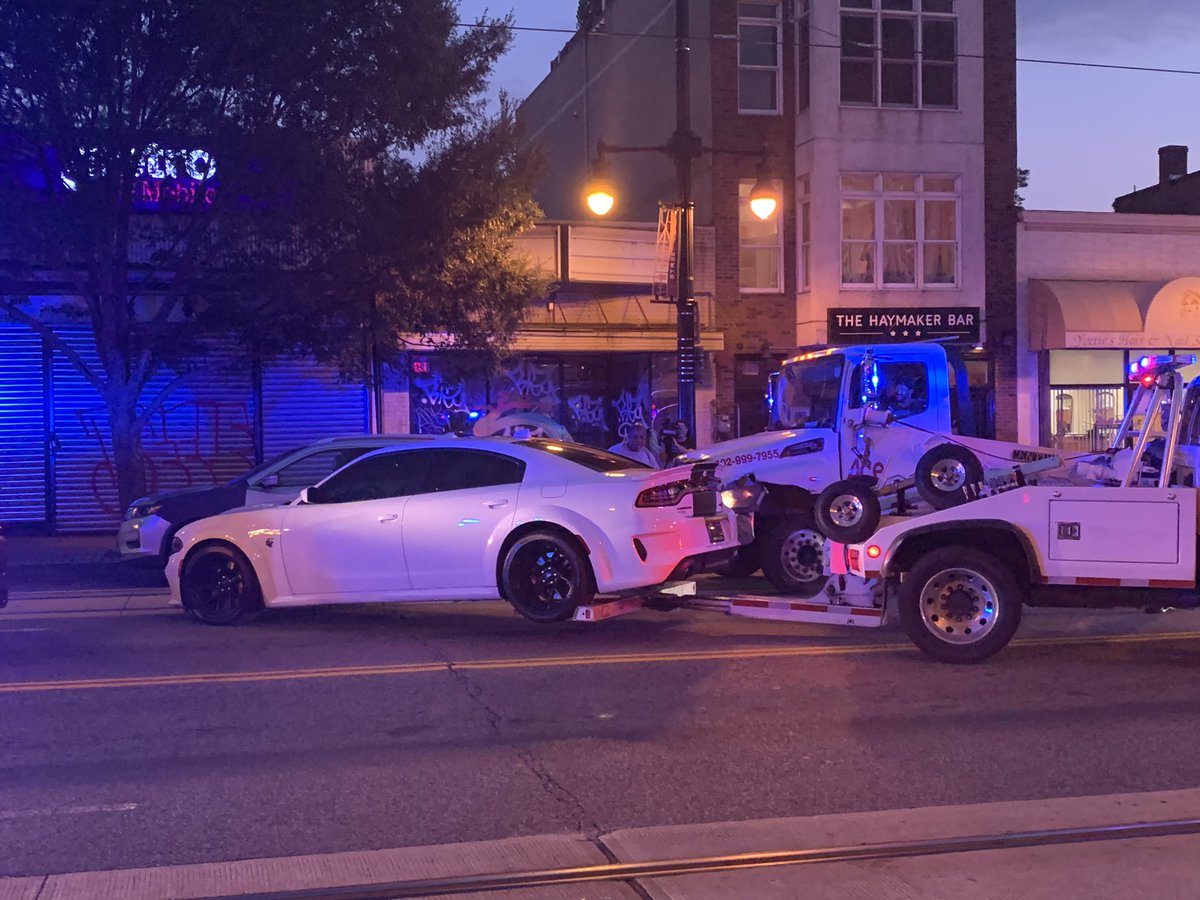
(66,811)
(745,653)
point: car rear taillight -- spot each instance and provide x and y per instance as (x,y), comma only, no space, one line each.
(662,495)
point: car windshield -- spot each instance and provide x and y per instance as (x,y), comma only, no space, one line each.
(588,457)
(809,391)
(264,465)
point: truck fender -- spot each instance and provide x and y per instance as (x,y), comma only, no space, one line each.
(909,546)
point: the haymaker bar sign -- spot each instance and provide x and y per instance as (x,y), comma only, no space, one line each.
(892,325)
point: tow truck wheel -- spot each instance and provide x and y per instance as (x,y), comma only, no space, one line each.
(960,605)
(793,556)
(847,511)
(943,472)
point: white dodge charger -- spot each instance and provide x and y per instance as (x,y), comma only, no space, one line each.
(544,525)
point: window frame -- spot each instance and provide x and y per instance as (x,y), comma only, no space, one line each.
(777,220)
(803,233)
(919,17)
(756,21)
(879,196)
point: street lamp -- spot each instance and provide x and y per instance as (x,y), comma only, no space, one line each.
(600,196)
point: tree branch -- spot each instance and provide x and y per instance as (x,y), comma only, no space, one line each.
(56,342)
(159,399)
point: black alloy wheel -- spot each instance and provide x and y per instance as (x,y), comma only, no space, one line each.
(218,586)
(546,577)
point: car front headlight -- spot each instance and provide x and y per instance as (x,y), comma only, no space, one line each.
(139,509)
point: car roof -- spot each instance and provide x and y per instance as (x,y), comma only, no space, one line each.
(381,439)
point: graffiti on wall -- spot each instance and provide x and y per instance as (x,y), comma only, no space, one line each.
(195,443)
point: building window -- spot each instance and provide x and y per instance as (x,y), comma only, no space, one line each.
(900,231)
(759,35)
(900,53)
(760,245)
(804,231)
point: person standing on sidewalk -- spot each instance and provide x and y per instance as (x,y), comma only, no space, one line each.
(634,447)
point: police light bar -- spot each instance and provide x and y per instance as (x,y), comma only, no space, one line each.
(1147,369)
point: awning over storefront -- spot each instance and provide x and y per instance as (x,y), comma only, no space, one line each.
(1066,315)
(611,340)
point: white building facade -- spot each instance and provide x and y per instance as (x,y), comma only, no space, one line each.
(1096,290)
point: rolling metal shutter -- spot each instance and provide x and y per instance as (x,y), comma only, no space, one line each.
(303,401)
(203,434)
(22,427)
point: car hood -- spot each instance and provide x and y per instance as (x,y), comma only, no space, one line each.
(746,444)
(197,503)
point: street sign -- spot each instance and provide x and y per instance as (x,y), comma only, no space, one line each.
(895,325)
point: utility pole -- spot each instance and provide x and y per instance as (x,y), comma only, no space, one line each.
(685,147)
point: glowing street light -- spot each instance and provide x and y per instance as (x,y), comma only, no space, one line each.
(763,201)
(600,195)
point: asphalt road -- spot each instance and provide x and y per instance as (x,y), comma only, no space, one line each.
(175,742)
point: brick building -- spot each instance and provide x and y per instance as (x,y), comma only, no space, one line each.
(1176,193)
(890,128)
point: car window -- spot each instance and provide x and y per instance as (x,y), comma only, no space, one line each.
(312,468)
(395,474)
(459,470)
(588,457)
(902,388)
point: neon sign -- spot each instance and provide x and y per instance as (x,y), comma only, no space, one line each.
(165,179)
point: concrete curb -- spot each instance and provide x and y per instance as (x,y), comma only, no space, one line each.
(1160,867)
(56,601)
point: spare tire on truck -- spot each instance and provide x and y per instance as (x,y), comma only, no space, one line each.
(943,472)
(848,511)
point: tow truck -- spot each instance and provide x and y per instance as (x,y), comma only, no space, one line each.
(1113,529)
(855,432)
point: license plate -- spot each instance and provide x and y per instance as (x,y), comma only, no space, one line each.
(716,531)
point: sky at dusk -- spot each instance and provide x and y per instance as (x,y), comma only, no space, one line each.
(1087,135)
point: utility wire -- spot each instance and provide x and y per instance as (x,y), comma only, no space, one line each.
(1165,70)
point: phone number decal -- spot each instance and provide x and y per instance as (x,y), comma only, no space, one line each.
(742,458)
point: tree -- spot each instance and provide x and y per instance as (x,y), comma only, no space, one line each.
(588,14)
(1022,183)
(305,178)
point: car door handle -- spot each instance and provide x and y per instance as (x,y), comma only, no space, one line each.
(389,517)
(496,504)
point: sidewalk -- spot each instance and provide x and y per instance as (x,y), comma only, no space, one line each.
(1161,867)
(74,562)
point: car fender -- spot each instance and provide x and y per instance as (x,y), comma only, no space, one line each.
(255,533)
(598,545)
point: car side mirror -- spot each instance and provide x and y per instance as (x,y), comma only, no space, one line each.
(309,495)
(269,481)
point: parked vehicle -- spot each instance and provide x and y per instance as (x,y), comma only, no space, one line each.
(150,523)
(545,525)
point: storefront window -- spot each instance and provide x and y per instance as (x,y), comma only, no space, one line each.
(594,398)
(1089,392)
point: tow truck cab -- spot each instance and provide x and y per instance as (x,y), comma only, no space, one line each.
(816,438)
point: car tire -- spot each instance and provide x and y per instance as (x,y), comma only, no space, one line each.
(942,473)
(546,576)
(847,511)
(792,554)
(744,563)
(219,587)
(960,605)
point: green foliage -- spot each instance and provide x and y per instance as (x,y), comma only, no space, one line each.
(1022,182)
(589,14)
(361,186)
